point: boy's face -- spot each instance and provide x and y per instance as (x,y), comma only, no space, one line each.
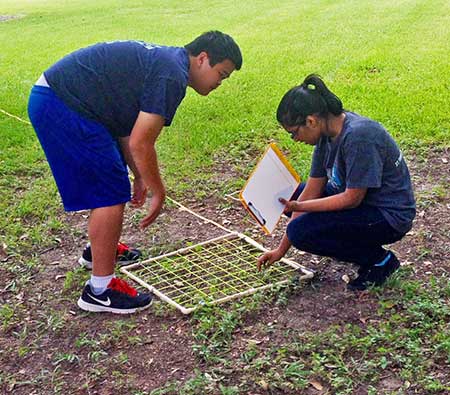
(203,78)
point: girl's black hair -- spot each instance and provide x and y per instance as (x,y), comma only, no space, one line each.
(310,97)
(219,47)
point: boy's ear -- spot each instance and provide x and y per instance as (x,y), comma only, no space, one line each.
(202,57)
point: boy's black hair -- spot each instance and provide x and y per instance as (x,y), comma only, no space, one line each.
(219,47)
(310,97)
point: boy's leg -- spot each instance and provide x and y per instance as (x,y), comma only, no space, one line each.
(90,174)
(104,229)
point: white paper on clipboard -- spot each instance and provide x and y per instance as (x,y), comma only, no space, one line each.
(272,178)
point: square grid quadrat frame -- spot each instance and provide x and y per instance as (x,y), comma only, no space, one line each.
(212,272)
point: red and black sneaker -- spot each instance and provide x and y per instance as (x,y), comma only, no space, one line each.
(124,256)
(118,298)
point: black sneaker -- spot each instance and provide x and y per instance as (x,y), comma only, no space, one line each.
(124,256)
(118,298)
(379,274)
(376,275)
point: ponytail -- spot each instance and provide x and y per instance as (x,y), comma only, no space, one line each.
(310,97)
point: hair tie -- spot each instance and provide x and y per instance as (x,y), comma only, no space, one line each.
(311,87)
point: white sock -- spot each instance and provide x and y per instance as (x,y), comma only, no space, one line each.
(99,283)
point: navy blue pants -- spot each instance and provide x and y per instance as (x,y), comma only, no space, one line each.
(355,235)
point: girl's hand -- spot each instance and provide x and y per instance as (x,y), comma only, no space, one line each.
(289,205)
(269,258)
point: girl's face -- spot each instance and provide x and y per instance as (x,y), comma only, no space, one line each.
(309,133)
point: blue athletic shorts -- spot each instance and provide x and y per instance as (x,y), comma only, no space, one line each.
(85,159)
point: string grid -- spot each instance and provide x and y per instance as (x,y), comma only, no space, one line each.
(212,272)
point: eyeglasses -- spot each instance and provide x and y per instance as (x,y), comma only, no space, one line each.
(294,131)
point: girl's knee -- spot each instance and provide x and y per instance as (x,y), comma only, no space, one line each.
(296,235)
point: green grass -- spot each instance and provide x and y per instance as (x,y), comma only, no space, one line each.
(408,334)
(387,60)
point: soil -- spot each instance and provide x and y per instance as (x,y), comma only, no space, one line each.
(164,352)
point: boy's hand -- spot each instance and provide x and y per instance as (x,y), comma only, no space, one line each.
(268,258)
(289,205)
(156,204)
(139,193)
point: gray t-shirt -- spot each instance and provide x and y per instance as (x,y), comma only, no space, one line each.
(364,155)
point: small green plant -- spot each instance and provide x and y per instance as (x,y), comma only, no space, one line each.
(224,390)
(121,358)
(250,353)
(66,357)
(6,315)
(52,321)
(84,340)
(95,356)
(73,280)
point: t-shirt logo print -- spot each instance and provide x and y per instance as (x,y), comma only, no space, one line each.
(399,160)
(334,178)
(147,45)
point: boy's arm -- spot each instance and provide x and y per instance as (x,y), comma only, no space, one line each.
(139,189)
(142,149)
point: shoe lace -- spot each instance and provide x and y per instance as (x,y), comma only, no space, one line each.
(122,248)
(119,285)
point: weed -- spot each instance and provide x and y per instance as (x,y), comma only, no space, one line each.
(66,357)
(73,280)
(51,321)
(121,358)
(228,390)
(6,315)
(84,341)
(249,354)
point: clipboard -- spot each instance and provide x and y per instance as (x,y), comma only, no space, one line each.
(272,178)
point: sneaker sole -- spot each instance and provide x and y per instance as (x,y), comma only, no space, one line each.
(361,287)
(94,308)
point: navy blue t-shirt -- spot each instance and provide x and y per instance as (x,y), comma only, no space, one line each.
(111,82)
(364,155)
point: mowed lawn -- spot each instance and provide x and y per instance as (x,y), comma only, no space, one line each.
(387,60)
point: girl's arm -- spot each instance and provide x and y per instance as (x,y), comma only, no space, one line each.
(350,198)
(313,189)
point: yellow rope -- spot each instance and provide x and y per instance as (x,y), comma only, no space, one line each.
(198,215)
(172,200)
(15,117)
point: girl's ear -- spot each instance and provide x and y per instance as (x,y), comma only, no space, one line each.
(311,121)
